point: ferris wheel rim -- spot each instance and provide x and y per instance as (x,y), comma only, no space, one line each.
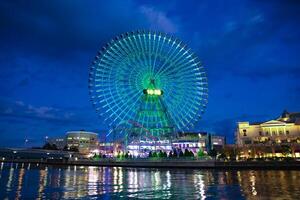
(201,90)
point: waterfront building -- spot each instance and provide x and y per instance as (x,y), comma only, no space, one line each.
(217,142)
(191,141)
(84,141)
(285,129)
(143,147)
(195,140)
(275,137)
(110,148)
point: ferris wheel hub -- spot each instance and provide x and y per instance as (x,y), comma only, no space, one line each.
(155,92)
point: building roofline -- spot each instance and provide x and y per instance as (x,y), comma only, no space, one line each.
(88,132)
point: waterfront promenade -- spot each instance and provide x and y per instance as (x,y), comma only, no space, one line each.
(50,157)
(169,163)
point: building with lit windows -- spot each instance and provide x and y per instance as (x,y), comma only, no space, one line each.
(195,140)
(272,135)
(285,129)
(84,141)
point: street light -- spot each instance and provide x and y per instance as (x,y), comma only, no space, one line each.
(25,142)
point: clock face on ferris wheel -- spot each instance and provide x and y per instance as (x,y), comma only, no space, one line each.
(145,62)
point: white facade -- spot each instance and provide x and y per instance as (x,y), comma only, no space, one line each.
(285,129)
(86,142)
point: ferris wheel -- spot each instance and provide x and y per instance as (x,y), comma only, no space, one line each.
(151,79)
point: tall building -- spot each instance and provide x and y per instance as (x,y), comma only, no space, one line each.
(283,130)
(84,141)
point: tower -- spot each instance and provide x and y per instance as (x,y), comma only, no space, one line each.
(152,118)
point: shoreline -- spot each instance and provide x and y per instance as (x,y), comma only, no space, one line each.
(181,164)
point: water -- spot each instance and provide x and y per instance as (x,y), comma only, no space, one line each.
(24,181)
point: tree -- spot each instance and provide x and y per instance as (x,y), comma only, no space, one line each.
(175,153)
(73,148)
(170,154)
(119,154)
(286,150)
(200,153)
(96,157)
(160,154)
(222,156)
(180,153)
(212,153)
(165,154)
(186,153)
(49,146)
(66,148)
(191,154)
(126,155)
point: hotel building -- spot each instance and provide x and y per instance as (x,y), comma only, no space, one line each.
(283,131)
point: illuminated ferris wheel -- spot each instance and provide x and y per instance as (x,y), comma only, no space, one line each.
(150,80)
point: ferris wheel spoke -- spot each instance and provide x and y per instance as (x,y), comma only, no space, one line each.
(134,54)
(126,48)
(138,42)
(176,59)
(134,45)
(124,110)
(149,50)
(144,49)
(116,111)
(171,69)
(188,67)
(158,46)
(168,56)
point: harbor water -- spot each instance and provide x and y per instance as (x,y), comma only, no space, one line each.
(33,181)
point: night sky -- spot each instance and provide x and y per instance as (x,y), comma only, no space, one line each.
(251,51)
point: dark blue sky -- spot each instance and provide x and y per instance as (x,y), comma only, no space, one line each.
(249,48)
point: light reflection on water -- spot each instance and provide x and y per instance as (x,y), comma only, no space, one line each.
(25,181)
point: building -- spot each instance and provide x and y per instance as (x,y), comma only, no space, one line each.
(270,138)
(217,142)
(84,141)
(110,148)
(196,140)
(191,141)
(59,142)
(285,129)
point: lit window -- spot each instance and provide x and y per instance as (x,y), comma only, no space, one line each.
(267,133)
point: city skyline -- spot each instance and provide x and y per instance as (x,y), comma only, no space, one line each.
(249,50)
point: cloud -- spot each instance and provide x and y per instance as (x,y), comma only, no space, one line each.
(20,103)
(19,109)
(20,120)
(158,20)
